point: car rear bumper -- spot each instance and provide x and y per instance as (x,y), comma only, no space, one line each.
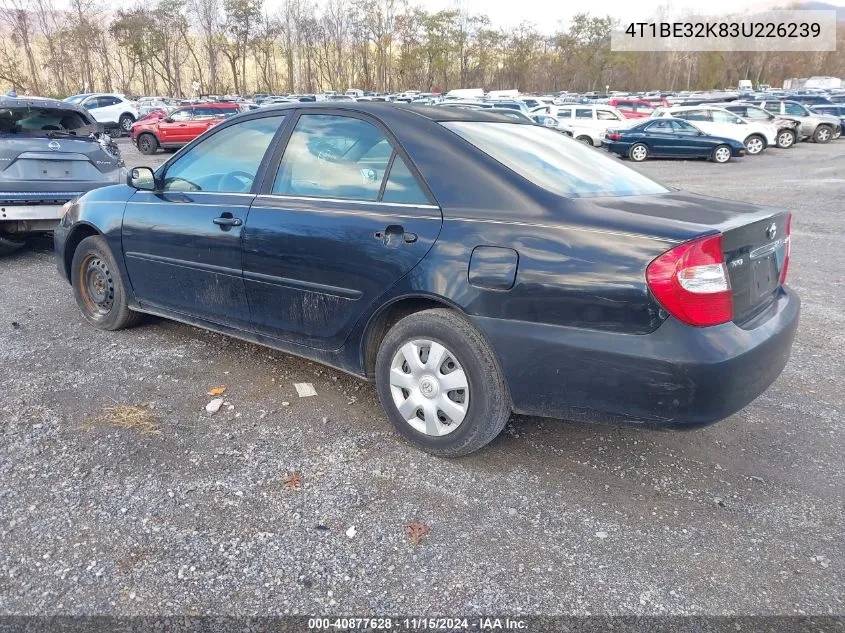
(678,376)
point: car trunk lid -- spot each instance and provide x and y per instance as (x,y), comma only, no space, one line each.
(755,238)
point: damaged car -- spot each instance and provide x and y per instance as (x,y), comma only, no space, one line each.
(51,152)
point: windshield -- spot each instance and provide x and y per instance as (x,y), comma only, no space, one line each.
(43,121)
(554,161)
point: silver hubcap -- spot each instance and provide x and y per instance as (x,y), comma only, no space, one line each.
(723,154)
(785,139)
(754,146)
(429,387)
(824,135)
(127,124)
(639,153)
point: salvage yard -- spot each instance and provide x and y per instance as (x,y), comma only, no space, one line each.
(122,494)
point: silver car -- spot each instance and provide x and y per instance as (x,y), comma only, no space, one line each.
(819,127)
(50,153)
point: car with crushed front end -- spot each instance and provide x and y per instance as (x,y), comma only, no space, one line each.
(670,138)
(50,152)
(471,265)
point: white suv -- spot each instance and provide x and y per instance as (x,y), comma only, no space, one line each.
(756,135)
(587,123)
(112,110)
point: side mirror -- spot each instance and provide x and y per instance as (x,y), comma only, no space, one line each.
(141,178)
(167,119)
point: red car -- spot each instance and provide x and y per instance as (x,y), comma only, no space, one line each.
(179,128)
(633,108)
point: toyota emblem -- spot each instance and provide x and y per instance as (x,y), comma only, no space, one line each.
(54,145)
(772,231)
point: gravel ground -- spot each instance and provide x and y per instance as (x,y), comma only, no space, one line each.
(176,511)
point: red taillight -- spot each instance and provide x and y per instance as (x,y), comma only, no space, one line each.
(786,241)
(691,282)
(614,136)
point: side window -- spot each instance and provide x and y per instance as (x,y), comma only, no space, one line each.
(182,115)
(693,115)
(773,106)
(93,102)
(583,113)
(724,117)
(332,156)
(109,101)
(794,109)
(565,113)
(225,162)
(606,115)
(402,186)
(660,126)
(682,127)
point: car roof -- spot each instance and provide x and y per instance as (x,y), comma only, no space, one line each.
(433,113)
(38,102)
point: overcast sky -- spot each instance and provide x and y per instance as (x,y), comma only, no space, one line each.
(548,14)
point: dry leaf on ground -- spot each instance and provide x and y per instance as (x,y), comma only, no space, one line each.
(293,480)
(216,391)
(416,530)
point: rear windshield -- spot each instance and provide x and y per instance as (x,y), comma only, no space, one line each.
(553,161)
(42,121)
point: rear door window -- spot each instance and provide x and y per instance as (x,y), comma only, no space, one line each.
(584,113)
(333,156)
(401,185)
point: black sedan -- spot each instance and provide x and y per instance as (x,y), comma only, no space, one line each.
(670,138)
(470,265)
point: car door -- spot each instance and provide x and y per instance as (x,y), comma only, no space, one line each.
(689,140)
(95,106)
(342,219)
(659,137)
(182,242)
(176,128)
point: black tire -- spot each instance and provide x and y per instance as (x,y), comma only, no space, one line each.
(584,139)
(823,134)
(757,142)
(98,286)
(489,399)
(147,144)
(718,152)
(638,156)
(786,139)
(125,123)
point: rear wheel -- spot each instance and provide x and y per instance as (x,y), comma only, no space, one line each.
(823,134)
(755,144)
(98,287)
(147,144)
(786,139)
(440,384)
(125,122)
(638,152)
(722,154)
(584,139)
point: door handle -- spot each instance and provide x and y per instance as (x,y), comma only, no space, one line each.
(226,221)
(394,235)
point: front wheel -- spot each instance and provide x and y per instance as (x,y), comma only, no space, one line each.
(147,144)
(125,123)
(722,154)
(786,139)
(638,152)
(822,134)
(98,287)
(585,139)
(440,384)
(755,144)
